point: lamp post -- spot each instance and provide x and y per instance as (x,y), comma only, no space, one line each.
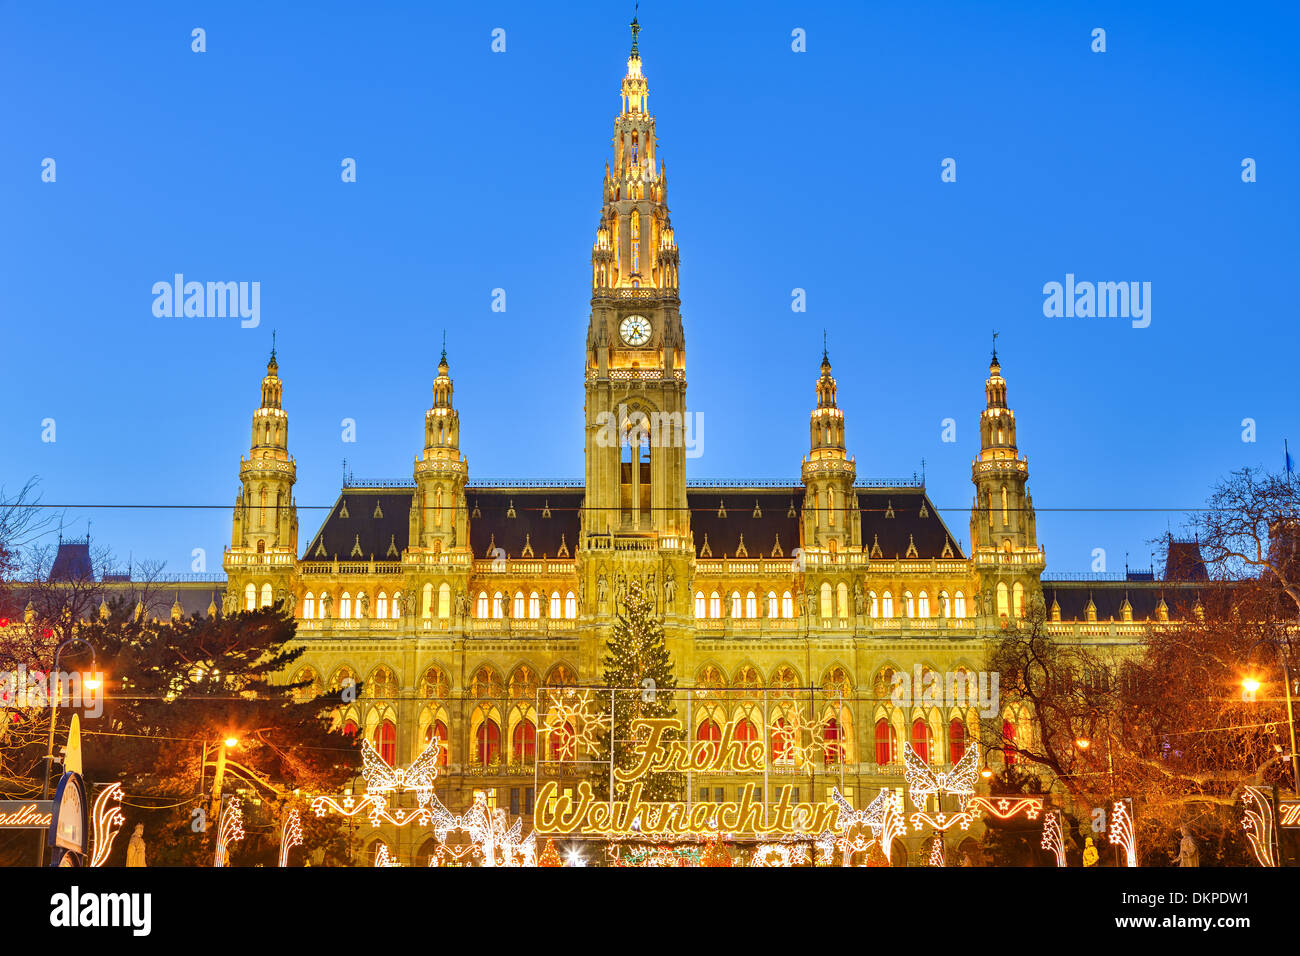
(1251,685)
(54,720)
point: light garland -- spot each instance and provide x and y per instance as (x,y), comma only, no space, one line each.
(106,821)
(1053,837)
(575,720)
(1121,831)
(230,830)
(1004,808)
(892,824)
(788,730)
(923,781)
(383,857)
(290,835)
(1259,826)
(941,822)
(780,854)
(938,855)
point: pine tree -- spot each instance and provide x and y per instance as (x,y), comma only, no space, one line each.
(639,670)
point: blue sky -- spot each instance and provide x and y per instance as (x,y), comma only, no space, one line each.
(479,170)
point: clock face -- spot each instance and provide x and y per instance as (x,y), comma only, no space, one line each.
(635,330)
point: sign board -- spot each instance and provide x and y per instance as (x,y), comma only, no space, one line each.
(70,827)
(16,814)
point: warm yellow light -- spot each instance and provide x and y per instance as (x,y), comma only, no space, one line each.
(231,741)
(986,773)
(1083,743)
(1250,684)
(91,683)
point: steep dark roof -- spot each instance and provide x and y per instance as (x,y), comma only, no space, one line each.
(897,517)
(353,531)
(545,519)
(1183,562)
(72,562)
(1108,597)
(512,519)
(723,517)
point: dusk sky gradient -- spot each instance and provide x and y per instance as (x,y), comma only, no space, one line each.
(816,170)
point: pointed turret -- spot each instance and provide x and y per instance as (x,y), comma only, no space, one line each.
(831,516)
(439,521)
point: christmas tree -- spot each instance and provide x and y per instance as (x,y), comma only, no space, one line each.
(549,856)
(639,671)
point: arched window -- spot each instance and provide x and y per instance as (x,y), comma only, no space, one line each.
(519,609)
(842,601)
(921,739)
(773,605)
(825,601)
(715,605)
(397,605)
(563,743)
(360,604)
(534,605)
(438,729)
(909,605)
(345,606)
(873,604)
(751,605)
(1009,737)
(745,732)
(1004,494)
(381,605)
(1018,598)
(783,743)
(956,739)
(261,546)
(923,605)
(309,606)
(1004,605)
(834,748)
(735,604)
(887,605)
(426,601)
(886,742)
(386,741)
(350,727)
(700,608)
(498,605)
(483,608)
(570,605)
(709,737)
(959,605)
(444,600)
(487,742)
(557,605)
(523,742)
(266,595)
(787,604)
(945,606)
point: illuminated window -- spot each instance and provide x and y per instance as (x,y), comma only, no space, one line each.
(842,601)
(345,606)
(426,604)
(381,605)
(557,605)
(397,605)
(715,605)
(735,604)
(360,603)
(956,740)
(487,742)
(266,595)
(751,605)
(709,735)
(825,601)
(886,742)
(887,605)
(834,751)
(773,606)
(909,605)
(873,604)
(523,742)
(700,609)
(1018,597)
(959,605)
(483,610)
(1004,503)
(787,604)
(570,605)
(309,606)
(444,600)
(923,604)
(921,739)
(386,741)
(438,729)
(534,605)
(519,609)
(1009,736)
(1004,608)
(498,605)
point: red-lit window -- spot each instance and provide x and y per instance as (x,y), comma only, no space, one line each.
(523,742)
(831,734)
(386,741)
(487,742)
(563,746)
(746,732)
(956,740)
(783,742)
(438,729)
(710,736)
(921,739)
(1009,735)
(350,728)
(886,742)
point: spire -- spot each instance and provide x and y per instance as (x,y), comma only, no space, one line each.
(272,364)
(636,28)
(444,349)
(994,362)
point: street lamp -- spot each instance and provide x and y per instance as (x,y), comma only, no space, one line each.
(1290,718)
(54,719)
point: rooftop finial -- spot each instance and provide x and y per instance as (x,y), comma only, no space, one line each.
(444,347)
(272,363)
(995,346)
(636,27)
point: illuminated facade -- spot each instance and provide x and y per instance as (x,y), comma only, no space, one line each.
(453,603)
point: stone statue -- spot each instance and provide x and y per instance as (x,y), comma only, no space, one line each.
(859,602)
(1189,854)
(135,849)
(582,593)
(326,602)
(365,604)
(602,588)
(670,592)
(1089,853)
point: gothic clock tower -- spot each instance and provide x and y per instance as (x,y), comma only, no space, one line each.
(635,522)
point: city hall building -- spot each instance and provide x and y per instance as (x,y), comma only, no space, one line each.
(456,605)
